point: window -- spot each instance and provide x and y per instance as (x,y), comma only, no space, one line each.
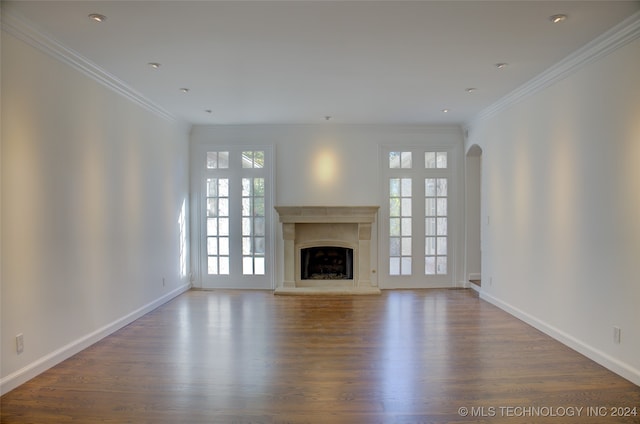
(435,160)
(400,160)
(253,159)
(217,160)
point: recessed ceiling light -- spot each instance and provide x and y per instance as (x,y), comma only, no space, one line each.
(471,90)
(445,110)
(501,65)
(208,111)
(97,17)
(154,65)
(184,90)
(558,18)
(327,118)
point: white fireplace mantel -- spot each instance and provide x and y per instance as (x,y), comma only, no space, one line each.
(349,226)
(327,214)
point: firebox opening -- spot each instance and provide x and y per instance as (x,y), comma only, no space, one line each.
(326,263)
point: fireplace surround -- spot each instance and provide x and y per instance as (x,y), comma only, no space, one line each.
(337,235)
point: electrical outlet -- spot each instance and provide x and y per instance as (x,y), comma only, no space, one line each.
(616,334)
(19,343)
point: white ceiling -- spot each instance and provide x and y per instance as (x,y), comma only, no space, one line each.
(299,61)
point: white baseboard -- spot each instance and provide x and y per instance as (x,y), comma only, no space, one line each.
(475,276)
(39,366)
(622,369)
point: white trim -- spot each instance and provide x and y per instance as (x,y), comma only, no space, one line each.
(19,27)
(271,224)
(39,366)
(625,370)
(621,34)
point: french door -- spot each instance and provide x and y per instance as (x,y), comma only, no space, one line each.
(415,248)
(235,218)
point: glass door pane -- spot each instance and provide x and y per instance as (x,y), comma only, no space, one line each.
(218,226)
(436,223)
(400,222)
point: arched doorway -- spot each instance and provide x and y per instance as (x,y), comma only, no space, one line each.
(473,184)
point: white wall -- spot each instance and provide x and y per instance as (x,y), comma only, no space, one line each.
(92,187)
(328,164)
(561,191)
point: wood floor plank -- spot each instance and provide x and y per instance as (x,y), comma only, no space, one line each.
(407,356)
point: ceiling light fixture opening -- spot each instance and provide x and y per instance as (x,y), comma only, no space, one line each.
(501,65)
(556,19)
(97,17)
(154,65)
(445,110)
(471,90)
(184,90)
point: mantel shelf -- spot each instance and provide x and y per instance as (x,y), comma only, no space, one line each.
(327,214)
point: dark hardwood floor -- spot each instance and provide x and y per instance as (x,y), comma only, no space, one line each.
(408,356)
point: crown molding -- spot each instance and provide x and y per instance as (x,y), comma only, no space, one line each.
(621,34)
(16,25)
(384,129)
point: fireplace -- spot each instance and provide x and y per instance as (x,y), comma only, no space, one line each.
(327,249)
(326,263)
